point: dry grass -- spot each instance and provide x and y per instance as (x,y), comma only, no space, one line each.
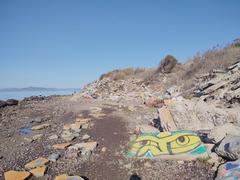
(207,62)
(120,74)
(170,73)
(186,75)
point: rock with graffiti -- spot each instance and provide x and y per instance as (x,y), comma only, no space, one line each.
(229,171)
(172,144)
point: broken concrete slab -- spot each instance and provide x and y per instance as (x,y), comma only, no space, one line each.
(36,163)
(39,127)
(235,65)
(39,171)
(91,146)
(61,146)
(229,148)
(66,177)
(219,132)
(166,119)
(67,126)
(16,175)
(215,87)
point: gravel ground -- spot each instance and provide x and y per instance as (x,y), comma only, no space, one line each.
(112,132)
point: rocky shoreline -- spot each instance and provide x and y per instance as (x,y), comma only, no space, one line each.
(89,135)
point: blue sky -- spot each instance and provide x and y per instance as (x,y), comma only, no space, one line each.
(68,43)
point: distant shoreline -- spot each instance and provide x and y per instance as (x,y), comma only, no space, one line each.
(21,94)
(28,89)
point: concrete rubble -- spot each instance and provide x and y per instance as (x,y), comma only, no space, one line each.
(211,112)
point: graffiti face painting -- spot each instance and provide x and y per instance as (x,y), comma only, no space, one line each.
(166,143)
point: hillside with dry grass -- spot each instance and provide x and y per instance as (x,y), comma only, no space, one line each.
(170,72)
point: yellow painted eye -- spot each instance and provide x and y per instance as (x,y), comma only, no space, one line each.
(182,140)
(144,142)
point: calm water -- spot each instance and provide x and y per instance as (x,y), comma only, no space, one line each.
(19,95)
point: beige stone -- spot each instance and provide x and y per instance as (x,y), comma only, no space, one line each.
(39,127)
(83,120)
(67,136)
(61,146)
(166,119)
(87,146)
(85,137)
(36,163)
(67,126)
(104,149)
(97,115)
(16,175)
(146,129)
(85,126)
(28,139)
(54,136)
(34,138)
(39,171)
(66,177)
(76,125)
(219,132)
(131,108)
(37,137)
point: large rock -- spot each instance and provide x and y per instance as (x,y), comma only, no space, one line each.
(196,114)
(12,102)
(2,104)
(229,170)
(229,148)
(219,132)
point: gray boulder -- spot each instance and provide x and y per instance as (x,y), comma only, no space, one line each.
(229,148)
(2,104)
(219,132)
(12,102)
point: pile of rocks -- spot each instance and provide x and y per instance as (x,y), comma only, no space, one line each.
(221,85)
(66,147)
(119,91)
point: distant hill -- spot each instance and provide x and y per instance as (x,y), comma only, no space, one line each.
(36,89)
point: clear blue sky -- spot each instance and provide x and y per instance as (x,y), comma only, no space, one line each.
(67,43)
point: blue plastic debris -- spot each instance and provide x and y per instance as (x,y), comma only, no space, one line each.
(25,131)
